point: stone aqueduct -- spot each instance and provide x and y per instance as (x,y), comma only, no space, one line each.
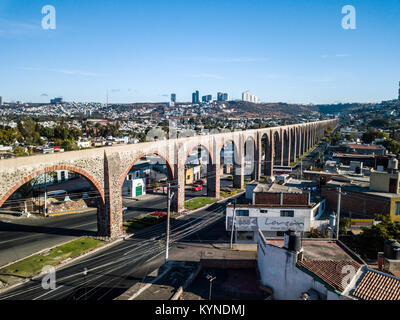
(106,168)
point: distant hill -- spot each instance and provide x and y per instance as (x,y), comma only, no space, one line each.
(285,110)
(340,107)
(272,110)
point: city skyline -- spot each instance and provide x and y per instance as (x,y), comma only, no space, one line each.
(295,52)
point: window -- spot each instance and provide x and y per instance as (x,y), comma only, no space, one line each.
(397,209)
(242,213)
(263,211)
(287,213)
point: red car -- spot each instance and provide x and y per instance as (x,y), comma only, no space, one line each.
(201,182)
(197,187)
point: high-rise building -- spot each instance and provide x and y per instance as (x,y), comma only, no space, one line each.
(56,100)
(206,98)
(173,97)
(399,91)
(1,101)
(222,96)
(249,97)
(196,97)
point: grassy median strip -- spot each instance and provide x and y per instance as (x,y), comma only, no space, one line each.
(34,264)
(226,194)
(136,224)
(198,202)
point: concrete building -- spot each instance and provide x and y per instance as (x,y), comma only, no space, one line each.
(365,196)
(386,181)
(1,100)
(196,97)
(222,96)
(398,96)
(319,270)
(358,201)
(249,97)
(192,173)
(361,149)
(132,188)
(137,179)
(207,98)
(275,209)
(56,100)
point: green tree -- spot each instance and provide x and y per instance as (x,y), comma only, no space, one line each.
(371,240)
(20,151)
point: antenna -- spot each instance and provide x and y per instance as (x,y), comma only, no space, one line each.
(107,100)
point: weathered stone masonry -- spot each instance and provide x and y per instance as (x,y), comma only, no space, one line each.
(106,168)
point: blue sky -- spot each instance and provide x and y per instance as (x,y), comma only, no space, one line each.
(290,51)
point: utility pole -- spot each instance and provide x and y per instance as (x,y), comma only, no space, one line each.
(45,194)
(169,196)
(168,216)
(233,222)
(338,211)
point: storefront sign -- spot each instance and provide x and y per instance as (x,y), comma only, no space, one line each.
(267,224)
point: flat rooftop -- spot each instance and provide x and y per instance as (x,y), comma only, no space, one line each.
(362,187)
(276,188)
(318,249)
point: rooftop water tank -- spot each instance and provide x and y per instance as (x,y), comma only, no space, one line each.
(292,240)
(392,249)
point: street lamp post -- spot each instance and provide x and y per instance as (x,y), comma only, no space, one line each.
(233,222)
(169,196)
(211,279)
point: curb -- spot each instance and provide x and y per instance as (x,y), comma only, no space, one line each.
(105,246)
(62,264)
(210,204)
(69,212)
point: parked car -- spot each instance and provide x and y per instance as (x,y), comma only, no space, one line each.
(201,182)
(197,187)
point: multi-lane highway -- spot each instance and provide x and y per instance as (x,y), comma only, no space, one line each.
(20,237)
(113,270)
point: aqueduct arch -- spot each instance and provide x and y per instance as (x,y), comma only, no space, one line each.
(106,168)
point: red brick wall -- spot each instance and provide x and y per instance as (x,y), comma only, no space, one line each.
(295,198)
(359,204)
(266,198)
(274,198)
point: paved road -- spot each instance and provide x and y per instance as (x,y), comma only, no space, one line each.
(308,161)
(20,237)
(115,269)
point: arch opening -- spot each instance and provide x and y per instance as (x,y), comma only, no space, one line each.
(49,205)
(145,179)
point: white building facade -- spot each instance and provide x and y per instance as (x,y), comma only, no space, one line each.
(272,220)
(249,97)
